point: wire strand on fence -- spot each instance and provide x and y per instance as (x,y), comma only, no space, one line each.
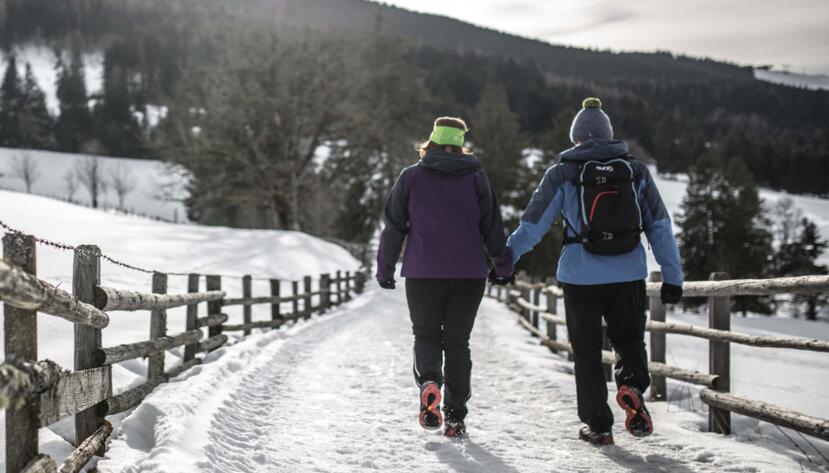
(68,247)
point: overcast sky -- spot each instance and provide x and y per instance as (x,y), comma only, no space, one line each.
(791,34)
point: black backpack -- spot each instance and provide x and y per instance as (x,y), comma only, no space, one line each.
(609,211)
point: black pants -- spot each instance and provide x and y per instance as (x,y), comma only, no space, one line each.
(623,308)
(443,313)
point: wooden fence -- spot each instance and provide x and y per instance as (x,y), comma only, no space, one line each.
(38,393)
(525,298)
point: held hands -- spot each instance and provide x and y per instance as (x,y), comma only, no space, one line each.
(499,280)
(671,294)
(387,284)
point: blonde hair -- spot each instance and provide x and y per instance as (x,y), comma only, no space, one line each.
(453,122)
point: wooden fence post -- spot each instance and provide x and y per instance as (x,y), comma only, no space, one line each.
(525,294)
(276,309)
(552,308)
(360,282)
(536,300)
(158,329)
(192,317)
(86,276)
(338,282)
(659,389)
(247,293)
(719,357)
(347,294)
(295,299)
(306,306)
(214,283)
(20,342)
(325,292)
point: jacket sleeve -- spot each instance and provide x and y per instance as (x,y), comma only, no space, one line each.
(656,223)
(542,211)
(396,220)
(492,228)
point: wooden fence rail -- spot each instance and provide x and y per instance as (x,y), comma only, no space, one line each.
(525,301)
(27,292)
(108,299)
(38,393)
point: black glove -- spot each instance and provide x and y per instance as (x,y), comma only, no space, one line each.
(496,280)
(671,294)
(387,284)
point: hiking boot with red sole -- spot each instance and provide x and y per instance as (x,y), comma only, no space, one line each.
(599,439)
(455,429)
(430,416)
(638,421)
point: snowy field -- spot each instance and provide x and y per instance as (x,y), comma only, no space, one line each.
(152,181)
(160,246)
(814,208)
(793,79)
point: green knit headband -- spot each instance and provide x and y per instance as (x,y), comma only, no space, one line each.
(447,135)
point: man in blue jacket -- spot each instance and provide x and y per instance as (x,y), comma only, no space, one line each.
(607,200)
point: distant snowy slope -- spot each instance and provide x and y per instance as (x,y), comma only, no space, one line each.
(793,79)
(814,208)
(150,178)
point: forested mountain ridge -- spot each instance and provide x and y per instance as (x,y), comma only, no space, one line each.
(674,108)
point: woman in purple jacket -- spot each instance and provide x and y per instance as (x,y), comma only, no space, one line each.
(447,208)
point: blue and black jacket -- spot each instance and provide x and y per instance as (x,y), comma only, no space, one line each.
(556,196)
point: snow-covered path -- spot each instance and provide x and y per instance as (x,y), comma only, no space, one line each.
(336,395)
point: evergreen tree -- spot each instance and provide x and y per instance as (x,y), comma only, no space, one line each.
(499,142)
(723,227)
(11,102)
(387,118)
(34,120)
(73,128)
(115,125)
(798,257)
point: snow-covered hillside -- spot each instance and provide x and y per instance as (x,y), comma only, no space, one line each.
(157,191)
(816,209)
(159,246)
(793,79)
(43,60)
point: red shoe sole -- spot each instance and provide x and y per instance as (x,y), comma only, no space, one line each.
(604,443)
(629,401)
(433,407)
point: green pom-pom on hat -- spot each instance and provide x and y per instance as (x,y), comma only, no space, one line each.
(591,102)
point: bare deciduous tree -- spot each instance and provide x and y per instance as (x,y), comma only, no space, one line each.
(70,184)
(786,219)
(25,168)
(90,173)
(122,183)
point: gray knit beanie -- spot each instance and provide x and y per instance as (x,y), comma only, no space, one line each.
(591,122)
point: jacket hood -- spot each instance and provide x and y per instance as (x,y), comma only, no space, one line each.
(595,149)
(456,164)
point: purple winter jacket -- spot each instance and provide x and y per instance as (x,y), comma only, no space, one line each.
(447,208)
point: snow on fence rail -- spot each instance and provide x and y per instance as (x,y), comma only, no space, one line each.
(525,301)
(38,393)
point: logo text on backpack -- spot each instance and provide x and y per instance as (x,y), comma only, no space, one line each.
(605,168)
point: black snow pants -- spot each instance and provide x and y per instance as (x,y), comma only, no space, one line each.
(623,307)
(443,313)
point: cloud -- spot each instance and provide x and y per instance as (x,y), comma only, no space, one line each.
(608,14)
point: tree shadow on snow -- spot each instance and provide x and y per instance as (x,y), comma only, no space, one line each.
(468,457)
(652,463)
